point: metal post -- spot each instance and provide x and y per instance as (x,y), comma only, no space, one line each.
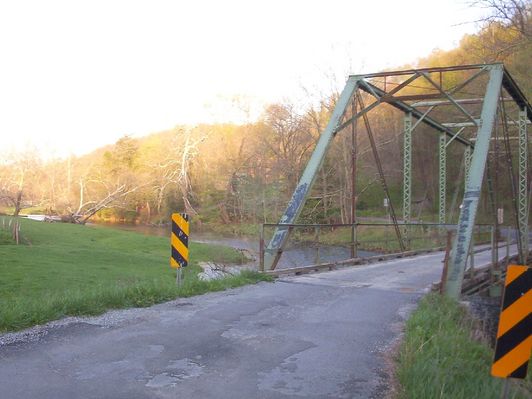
(407,173)
(505,389)
(494,199)
(354,248)
(353,245)
(443,177)
(523,179)
(495,232)
(276,244)
(179,277)
(495,271)
(457,261)
(507,247)
(355,238)
(317,238)
(514,184)
(261,249)
(446,261)
(381,175)
(494,252)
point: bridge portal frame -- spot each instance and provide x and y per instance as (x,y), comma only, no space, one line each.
(398,89)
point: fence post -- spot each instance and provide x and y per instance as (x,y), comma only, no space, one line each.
(495,271)
(354,246)
(446,261)
(507,247)
(261,249)
(317,238)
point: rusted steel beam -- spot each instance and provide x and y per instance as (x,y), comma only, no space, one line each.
(401,105)
(381,174)
(428,70)
(466,101)
(412,97)
(515,92)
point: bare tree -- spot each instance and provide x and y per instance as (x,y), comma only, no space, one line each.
(108,182)
(514,14)
(290,141)
(14,177)
(114,196)
(174,169)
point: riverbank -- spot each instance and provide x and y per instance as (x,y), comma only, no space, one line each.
(300,250)
(65,269)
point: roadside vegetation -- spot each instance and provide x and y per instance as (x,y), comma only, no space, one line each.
(439,358)
(66,269)
(6,238)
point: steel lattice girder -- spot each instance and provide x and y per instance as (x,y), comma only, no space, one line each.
(467,163)
(407,170)
(466,221)
(443,178)
(410,104)
(523,182)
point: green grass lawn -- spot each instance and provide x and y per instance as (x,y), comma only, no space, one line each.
(65,269)
(440,359)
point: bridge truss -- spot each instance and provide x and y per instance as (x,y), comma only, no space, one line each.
(477,107)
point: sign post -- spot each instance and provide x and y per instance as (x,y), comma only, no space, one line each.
(514,339)
(179,243)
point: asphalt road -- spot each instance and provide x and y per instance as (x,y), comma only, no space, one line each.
(326,335)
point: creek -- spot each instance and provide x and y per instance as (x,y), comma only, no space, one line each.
(296,254)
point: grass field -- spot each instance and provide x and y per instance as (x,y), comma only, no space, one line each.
(65,269)
(440,359)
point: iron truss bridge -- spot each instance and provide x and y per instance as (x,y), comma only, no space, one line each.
(479,108)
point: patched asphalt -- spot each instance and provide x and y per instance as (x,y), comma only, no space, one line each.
(324,335)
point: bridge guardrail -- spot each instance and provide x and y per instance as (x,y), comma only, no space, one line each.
(332,244)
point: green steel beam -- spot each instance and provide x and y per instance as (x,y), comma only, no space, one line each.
(467,164)
(275,247)
(523,179)
(407,171)
(515,92)
(425,70)
(401,105)
(443,178)
(458,257)
(449,97)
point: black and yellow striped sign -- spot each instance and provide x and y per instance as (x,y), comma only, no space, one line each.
(514,339)
(179,240)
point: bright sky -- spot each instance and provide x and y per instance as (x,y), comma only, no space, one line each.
(75,75)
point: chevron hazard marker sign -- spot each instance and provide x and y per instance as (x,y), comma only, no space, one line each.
(514,339)
(179,240)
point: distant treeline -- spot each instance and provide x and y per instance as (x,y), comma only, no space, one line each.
(227,173)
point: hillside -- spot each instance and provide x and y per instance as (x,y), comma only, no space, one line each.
(234,174)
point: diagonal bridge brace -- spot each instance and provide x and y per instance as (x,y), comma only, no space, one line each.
(466,221)
(274,249)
